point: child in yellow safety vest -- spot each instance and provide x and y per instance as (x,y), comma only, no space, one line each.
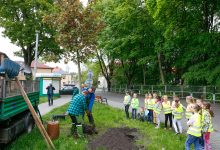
(207,126)
(194,130)
(134,105)
(177,111)
(146,99)
(190,102)
(154,100)
(150,105)
(201,140)
(157,110)
(167,111)
(127,102)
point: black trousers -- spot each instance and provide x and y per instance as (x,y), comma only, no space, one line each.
(74,123)
(168,116)
(50,99)
(127,110)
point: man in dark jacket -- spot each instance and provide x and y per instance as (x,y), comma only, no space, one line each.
(50,90)
(76,110)
(90,101)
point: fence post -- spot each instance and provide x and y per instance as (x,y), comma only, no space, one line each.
(204,92)
(141,89)
(174,93)
(213,95)
(213,98)
(182,91)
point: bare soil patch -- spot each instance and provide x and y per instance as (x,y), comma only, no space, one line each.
(115,139)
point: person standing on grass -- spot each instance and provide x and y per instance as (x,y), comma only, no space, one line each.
(134,105)
(177,111)
(91,100)
(127,103)
(201,140)
(154,100)
(195,128)
(50,90)
(207,126)
(190,102)
(167,111)
(157,110)
(76,111)
(150,105)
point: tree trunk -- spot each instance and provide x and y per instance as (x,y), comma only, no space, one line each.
(109,84)
(160,68)
(79,70)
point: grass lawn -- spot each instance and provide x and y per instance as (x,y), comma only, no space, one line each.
(44,99)
(105,117)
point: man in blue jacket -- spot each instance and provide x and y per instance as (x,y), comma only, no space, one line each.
(90,101)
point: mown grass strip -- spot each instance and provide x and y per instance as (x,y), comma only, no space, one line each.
(105,117)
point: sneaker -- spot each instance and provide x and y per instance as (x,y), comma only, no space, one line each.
(170,128)
(165,128)
(177,133)
(157,127)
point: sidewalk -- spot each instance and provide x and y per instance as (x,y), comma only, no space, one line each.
(44,108)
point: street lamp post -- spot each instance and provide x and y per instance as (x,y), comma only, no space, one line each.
(36,51)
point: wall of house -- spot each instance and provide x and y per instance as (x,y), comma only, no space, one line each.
(39,70)
(66,79)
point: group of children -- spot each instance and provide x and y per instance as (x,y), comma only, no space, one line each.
(198,113)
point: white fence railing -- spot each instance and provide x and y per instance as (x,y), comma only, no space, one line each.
(208,93)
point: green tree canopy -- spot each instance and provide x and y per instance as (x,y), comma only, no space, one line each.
(21,19)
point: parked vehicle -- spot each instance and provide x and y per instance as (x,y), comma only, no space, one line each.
(68,89)
(15,116)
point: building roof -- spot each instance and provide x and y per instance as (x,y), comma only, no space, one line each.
(40,65)
(59,70)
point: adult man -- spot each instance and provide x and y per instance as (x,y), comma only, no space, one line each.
(76,110)
(90,102)
(50,90)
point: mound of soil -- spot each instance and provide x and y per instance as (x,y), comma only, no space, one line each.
(115,139)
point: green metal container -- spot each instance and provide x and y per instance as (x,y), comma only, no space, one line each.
(12,106)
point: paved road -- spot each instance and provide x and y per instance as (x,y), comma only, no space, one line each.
(116,100)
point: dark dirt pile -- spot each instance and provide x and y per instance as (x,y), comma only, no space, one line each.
(115,139)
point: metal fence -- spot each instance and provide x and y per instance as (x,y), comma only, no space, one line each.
(208,93)
(10,88)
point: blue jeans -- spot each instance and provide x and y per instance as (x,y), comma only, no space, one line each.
(150,116)
(127,111)
(134,113)
(192,140)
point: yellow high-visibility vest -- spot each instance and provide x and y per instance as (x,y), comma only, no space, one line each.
(178,112)
(157,108)
(205,112)
(167,107)
(150,104)
(188,114)
(196,128)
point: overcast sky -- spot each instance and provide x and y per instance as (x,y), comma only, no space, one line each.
(8,48)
